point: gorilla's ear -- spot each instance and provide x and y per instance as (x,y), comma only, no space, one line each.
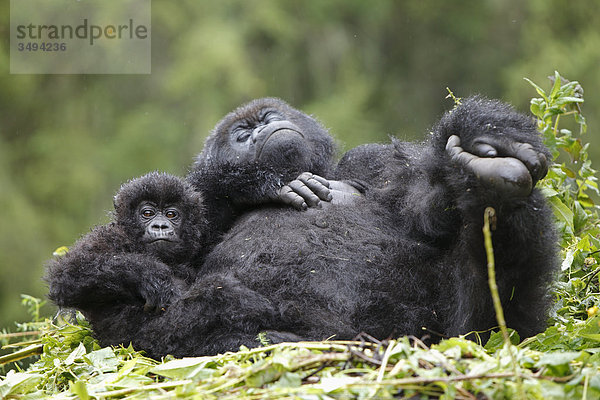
(116,201)
(120,202)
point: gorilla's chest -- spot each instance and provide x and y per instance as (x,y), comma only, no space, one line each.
(280,244)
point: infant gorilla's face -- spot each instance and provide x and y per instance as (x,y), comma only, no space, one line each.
(161,225)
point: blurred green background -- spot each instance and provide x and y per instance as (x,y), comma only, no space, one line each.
(367,70)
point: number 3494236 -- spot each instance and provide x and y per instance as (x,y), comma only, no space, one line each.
(44,46)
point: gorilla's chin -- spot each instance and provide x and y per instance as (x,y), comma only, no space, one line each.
(162,246)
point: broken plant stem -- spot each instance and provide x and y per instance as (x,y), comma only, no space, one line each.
(488,214)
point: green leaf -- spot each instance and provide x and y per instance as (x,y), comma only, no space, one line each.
(496,340)
(558,358)
(265,373)
(76,354)
(79,389)
(561,211)
(188,368)
(548,192)
(586,201)
(289,380)
(103,360)
(566,100)
(61,251)
(19,383)
(537,107)
(556,87)
(593,336)
(568,261)
(538,89)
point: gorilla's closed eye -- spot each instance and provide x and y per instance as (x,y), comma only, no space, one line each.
(242,134)
(270,116)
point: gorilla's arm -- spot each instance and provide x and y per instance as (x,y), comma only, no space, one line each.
(217,314)
(483,154)
(105,267)
(368,164)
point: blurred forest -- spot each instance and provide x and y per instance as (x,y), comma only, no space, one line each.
(367,70)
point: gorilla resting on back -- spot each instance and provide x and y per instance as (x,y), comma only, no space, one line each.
(139,261)
(405,256)
(266,153)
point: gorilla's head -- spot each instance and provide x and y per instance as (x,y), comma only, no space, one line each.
(163,214)
(268,132)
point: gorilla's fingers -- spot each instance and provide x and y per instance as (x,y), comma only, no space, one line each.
(541,173)
(535,162)
(322,180)
(288,196)
(488,146)
(456,153)
(506,174)
(484,150)
(304,191)
(453,142)
(318,185)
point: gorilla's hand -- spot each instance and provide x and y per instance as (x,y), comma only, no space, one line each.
(305,191)
(157,289)
(347,191)
(512,168)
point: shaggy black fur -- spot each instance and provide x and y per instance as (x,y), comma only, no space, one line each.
(440,199)
(404,257)
(116,267)
(252,153)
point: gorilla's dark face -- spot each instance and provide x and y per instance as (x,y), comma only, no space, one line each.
(161,225)
(162,214)
(266,136)
(269,132)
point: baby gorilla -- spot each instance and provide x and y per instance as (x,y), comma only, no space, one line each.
(139,261)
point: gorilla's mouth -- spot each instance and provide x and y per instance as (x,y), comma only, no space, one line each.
(161,239)
(279,127)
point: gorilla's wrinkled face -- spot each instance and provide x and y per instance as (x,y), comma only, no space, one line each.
(163,215)
(269,132)
(268,137)
(263,135)
(161,225)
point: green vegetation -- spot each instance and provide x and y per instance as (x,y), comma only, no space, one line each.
(562,362)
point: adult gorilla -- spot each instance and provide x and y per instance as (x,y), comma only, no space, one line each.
(266,153)
(401,258)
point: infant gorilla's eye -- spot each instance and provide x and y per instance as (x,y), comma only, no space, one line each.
(148,213)
(171,214)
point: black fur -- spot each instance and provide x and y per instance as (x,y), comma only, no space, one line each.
(407,256)
(236,179)
(112,268)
